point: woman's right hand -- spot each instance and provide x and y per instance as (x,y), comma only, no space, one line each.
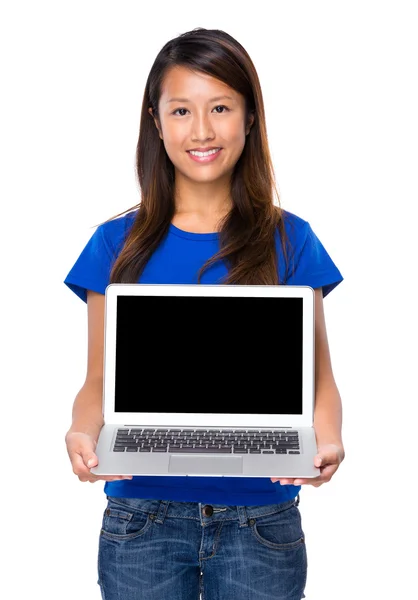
(81,450)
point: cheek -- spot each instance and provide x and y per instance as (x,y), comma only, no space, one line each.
(236,144)
(173,142)
(173,137)
(232,136)
(232,131)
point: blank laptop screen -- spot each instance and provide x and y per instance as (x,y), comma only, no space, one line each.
(200,354)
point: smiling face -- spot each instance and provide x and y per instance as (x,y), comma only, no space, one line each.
(200,112)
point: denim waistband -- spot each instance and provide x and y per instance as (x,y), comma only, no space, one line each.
(159,510)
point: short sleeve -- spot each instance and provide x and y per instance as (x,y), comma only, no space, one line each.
(91,271)
(313,265)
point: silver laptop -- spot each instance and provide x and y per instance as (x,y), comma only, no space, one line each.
(208,380)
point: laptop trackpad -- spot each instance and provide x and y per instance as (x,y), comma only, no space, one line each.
(205,464)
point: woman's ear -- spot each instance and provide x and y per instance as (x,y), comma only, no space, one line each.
(250,122)
(156,122)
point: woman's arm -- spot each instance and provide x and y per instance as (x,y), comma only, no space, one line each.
(328,407)
(87,415)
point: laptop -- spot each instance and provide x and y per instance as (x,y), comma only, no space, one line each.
(208,380)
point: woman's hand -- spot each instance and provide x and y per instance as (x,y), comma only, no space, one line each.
(328,459)
(80,448)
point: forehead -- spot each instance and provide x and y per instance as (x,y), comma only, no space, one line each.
(191,86)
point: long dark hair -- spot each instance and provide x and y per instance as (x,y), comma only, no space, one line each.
(247,233)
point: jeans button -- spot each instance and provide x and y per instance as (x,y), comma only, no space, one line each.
(207,510)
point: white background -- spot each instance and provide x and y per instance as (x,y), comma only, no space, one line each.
(339,81)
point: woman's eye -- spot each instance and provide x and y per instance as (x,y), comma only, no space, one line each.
(219,106)
(176,111)
(222,106)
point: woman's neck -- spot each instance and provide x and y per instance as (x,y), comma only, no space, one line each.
(201,213)
(198,222)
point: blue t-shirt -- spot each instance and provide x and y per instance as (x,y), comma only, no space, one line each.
(177,260)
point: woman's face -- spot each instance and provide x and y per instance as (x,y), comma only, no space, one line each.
(200,112)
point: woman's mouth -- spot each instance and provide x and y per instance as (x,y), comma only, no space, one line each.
(204,157)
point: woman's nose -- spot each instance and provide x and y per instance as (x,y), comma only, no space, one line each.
(202,127)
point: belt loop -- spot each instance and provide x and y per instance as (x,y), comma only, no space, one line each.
(162,511)
(297,500)
(242,516)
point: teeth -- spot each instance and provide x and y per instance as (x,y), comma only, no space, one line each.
(196,153)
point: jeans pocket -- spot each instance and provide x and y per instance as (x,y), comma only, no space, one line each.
(120,523)
(279,531)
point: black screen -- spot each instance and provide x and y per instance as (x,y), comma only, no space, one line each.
(205,354)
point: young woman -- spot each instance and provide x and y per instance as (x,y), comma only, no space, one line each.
(207,214)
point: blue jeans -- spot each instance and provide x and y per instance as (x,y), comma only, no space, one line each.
(161,550)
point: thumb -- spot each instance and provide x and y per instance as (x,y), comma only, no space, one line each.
(86,450)
(318,460)
(90,459)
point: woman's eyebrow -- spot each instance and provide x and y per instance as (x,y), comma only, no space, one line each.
(210,100)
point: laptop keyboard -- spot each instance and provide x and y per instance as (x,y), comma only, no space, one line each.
(207,441)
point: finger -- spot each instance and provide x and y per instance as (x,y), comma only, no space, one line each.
(326,474)
(109,477)
(312,481)
(79,468)
(84,473)
(285,481)
(104,479)
(90,460)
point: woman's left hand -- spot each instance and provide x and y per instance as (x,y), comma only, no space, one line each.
(328,459)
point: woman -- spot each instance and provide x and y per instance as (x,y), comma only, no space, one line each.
(207,215)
